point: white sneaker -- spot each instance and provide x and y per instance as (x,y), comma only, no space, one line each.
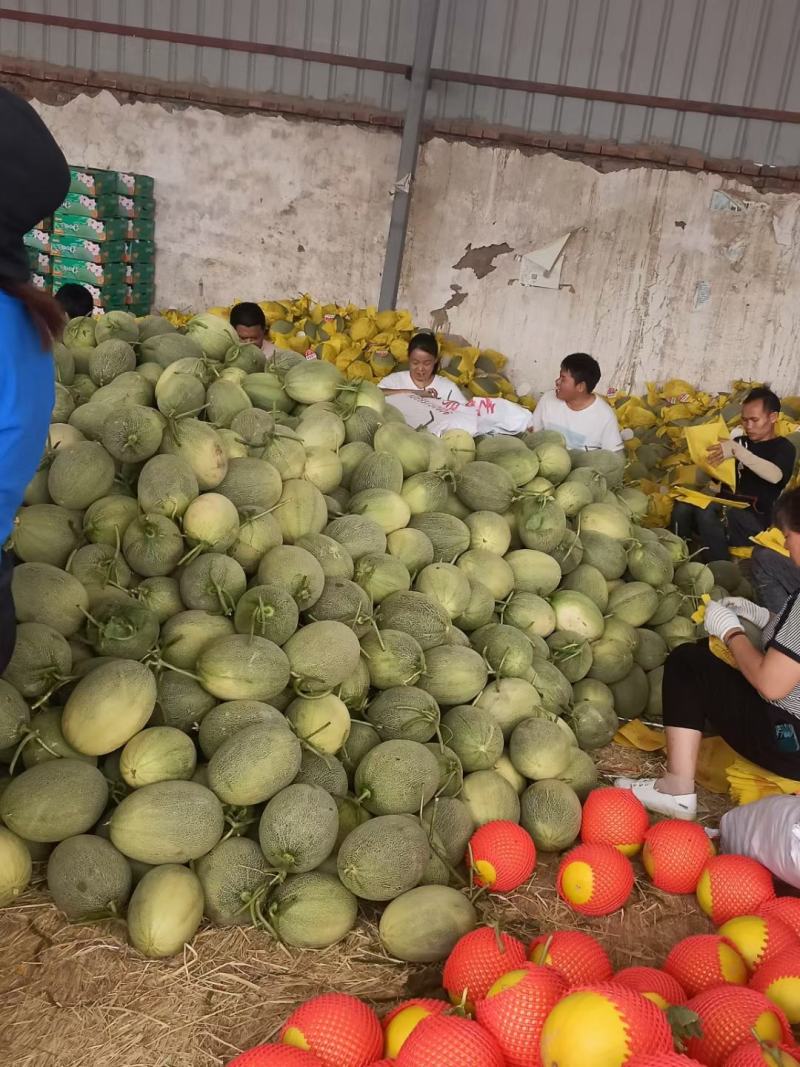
(676,807)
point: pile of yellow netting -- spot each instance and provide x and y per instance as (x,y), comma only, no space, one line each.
(367,344)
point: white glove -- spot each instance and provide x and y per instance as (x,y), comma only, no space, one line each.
(746,609)
(720,620)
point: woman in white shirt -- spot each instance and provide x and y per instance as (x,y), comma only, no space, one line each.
(421,378)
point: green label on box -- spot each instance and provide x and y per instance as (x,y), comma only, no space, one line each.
(136,207)
(91,251)
(43,282)
(92,207)
(141,274)
(91,229)
(38,240)
(140,252)
(79,270)
(134,184)
(141,229)
(92,182)
(38,261)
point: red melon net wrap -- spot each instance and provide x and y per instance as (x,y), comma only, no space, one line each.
(738,885)
(727,1016)
(695,963)
(449,1041)
(478,959)
(613,817)
(578,956)
(652,980)
(341,1030)
(515,1016)
(612,878)
(510,850)
(674,855)
(276,1056)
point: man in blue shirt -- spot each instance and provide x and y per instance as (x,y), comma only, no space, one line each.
(34,179)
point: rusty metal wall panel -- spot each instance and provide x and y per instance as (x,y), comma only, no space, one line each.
(739,52)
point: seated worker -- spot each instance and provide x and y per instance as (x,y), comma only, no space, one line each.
(76,300)
(754,706)
(421,378)
(250,323)
(764,464)
(585,420)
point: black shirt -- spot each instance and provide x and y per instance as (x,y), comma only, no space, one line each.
(761,495)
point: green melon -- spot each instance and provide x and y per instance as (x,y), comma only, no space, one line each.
(165,911)
(226,719)
(404,713)
(474,736)
(449,825)
(424,924)
(383,858)
(108,706)
(54,800)
(312,910)
(298,828)
(538,749)
(396,777)
(46,740)
(360,740)
(393,659)
(321,722)
(159,754)
(488,797)
(15,867)
(453,674)
(421,616)
(87,877)
(509,701)
(297,570)
(240,667)
(594,724)
(14,715)
(254,763)
(167,822)
(324,771)
(581,773)
(451,773)
(231,875)
(551,813)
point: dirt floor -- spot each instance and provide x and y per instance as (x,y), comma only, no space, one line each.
(77,996)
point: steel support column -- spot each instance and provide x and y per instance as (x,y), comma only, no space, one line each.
(409,151)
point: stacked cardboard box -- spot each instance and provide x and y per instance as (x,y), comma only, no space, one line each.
(103,238)
(38,244)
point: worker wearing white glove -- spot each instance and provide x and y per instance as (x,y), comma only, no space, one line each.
(746,609)
(751,698)
(721,621)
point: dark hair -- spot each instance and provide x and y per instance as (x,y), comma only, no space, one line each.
(786,515)
(46,314)
(770,400)
(583,368)
(76,300)
(425,342)
(248,314)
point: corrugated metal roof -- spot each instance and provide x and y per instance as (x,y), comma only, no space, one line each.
(737,52)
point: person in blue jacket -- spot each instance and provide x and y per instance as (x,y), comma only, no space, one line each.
(34,179)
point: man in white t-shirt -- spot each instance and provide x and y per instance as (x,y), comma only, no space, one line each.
(585,420)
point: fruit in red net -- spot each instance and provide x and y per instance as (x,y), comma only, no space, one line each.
(758,1053)
(786,908)
(758,937)
(595,879)
(730,1015)
(478,959)
(603,1024)
(658,986)
(502,855)
(733,885)
(341,1030)
(674,855)
(515,1008)
(579,957)
(614,817)
(276,1056)
(662,1059)
(705,961)
(778,978)
(399,1022)
(450,1041)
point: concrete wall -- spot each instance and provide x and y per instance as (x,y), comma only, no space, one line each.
(665,274)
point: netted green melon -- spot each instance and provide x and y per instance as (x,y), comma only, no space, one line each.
(404,713)
(231,875)
(165,910)
(254,763)
(538,749)
(383,858)
(474,736)
(396,777)
(54,800)
(451,773)
(298,828)
(168,822)
(581,773)
(594,724)
(488,797)
(453,674)
(312,910)
(551,813)
(160,753)
(323,722)
(424,924)
(224,720)
(322,770)
(509,701)
(88,877)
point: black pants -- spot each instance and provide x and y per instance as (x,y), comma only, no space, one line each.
(702,692)
(8,625)
(715,527)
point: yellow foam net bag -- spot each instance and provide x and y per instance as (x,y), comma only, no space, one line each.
(699,439)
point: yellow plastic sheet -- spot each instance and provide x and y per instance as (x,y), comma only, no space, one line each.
(702,500)
(635,734)
(748,782)
(771,538)
(700,439)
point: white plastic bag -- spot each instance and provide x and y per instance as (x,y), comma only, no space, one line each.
(768,831)
(478,416)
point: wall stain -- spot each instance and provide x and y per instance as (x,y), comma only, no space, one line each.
(481,260)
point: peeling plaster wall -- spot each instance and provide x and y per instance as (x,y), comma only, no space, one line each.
(655,283)
(248,207)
